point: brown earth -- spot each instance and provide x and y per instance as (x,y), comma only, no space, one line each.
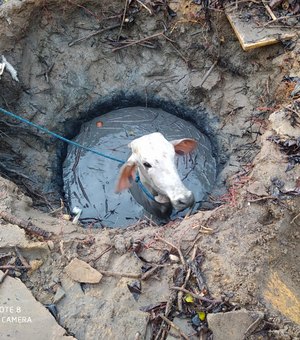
(250,236)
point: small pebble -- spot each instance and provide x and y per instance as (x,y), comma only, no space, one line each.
(50,244)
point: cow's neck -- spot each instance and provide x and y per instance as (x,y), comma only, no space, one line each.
(160,198)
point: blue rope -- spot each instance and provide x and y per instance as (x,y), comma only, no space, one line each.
(137,179)
(146,192)
(58,136)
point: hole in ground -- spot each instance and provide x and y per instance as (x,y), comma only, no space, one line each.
(90,180)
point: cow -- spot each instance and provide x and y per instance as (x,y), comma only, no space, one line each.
(153,158)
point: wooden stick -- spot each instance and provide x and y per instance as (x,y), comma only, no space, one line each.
(25,225)
(208,73)
(13,267)
(271,13)
(262,199)
(170,323)
(93,34)
(294,219)
(281,18)
(123,19)
(152,270)
(143,5)
(196,296)
(22,258)
(102,253)
(188,274)
(138,41)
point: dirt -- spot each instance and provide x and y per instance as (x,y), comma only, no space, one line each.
(248,231)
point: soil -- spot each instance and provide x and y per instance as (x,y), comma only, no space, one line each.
(248,231)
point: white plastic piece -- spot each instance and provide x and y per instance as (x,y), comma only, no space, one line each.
(10,69)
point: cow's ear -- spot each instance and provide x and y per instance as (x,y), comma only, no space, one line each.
(127,174)
(184,146)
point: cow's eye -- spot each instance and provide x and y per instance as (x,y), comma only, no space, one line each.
(147,165)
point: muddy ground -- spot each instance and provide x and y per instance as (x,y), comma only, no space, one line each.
(248,230)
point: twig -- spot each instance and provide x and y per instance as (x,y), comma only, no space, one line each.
(143,5)
(28,226)
(62,205)
(138,41)
(281,18)
(197,296)
(177,50)
(188,274)
(208,73)
(4,275)
(170,323)
(294,219)
(46,73)
(102,253)
(294,111)
(22,258)
(271,13)
(12,267)
(180,293)
(118,274)
(85,9)
(195,241)
(123,20)
(152,270)
(253,327)
(93,34)
(176,248)
(262,199)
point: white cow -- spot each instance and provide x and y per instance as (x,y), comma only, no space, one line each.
(154,159)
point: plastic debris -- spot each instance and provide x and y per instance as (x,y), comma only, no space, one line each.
(77,211)
(135,289)
(188,298)
(2,67)
(201,315)
(10,69)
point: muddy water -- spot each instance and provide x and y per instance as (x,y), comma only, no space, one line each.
(90,180)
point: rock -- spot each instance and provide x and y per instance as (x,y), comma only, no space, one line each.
(22,317)
(112,307)
(50,244)
(257,188)
(174,258)
(231,325)
(282,125)
(60,293)
(11,235)
(80,271)
(185,326)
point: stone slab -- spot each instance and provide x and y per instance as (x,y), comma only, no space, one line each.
(232,325)
(22,317)
(81,271)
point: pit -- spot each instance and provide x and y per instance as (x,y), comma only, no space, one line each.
(71,82)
